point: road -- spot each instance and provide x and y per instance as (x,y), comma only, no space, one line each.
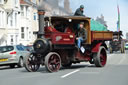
(114,73)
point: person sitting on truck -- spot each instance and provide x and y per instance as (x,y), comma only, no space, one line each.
(79,11)
(81,35)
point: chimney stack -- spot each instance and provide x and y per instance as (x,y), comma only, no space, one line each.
(41,23)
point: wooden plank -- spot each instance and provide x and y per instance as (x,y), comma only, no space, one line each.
(102,35)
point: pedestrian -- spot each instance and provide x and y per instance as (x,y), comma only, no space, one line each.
(79,11)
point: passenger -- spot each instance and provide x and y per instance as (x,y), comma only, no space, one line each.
(79,11)
(81,34)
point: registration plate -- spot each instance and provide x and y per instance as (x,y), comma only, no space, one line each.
(2,60)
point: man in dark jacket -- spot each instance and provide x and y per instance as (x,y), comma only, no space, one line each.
(79,11)
(81,34)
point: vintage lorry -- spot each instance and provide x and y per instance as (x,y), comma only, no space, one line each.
(56,44)
(117,43)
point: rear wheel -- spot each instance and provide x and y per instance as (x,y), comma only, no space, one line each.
(32,63)
(12,66)
(53,62)
(20,64)
(100,58)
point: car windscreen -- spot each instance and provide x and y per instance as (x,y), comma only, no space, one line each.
(6,49)
(126,45)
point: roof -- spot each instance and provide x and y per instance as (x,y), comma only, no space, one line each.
(70,17)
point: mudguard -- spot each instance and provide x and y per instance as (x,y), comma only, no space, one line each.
(95,49)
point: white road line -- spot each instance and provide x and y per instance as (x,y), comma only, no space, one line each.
(70,73)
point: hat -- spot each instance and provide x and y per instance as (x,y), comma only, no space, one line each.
(82,23)
(81,6)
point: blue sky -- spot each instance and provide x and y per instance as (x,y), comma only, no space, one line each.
(108,8)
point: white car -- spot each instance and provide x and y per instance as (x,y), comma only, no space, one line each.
(13,55)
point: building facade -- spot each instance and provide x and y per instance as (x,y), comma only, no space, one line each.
(18,20)
(29,22)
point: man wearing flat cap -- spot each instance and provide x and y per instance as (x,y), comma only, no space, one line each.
(79,11)
(81,35)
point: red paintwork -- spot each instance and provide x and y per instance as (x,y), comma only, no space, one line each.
(50,29)
(57,37)
(81,56)
(68,30)
(96,48)
(63,38)
(103,58)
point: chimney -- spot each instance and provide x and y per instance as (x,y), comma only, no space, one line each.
(41,23)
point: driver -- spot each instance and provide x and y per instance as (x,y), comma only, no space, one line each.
(81,34)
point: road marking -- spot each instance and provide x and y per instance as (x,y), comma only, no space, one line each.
(70,73)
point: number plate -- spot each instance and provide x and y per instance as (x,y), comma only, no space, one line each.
(2,60)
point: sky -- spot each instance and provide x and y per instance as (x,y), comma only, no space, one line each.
(108,8)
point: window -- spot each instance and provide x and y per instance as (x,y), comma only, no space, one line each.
(28,12)
(12,40)
(16,19)
(34,16)
(2,18)
(22,32)
(22,11)
(16,38)
(16,3)
(10,20)
(6,49)
(1,1)
(27,33)
(20,47)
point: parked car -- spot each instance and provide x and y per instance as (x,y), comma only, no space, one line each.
(126,46)
(29,48)
(13,55)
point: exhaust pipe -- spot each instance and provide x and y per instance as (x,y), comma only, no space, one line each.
(41,23)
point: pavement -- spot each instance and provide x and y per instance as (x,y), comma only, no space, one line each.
(114,73)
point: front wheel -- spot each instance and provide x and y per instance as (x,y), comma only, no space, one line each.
(32,63)
(53,62)
(100,58)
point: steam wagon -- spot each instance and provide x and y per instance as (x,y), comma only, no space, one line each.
(56,44)
(117,43)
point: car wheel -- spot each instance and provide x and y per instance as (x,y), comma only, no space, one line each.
(20,64)
(12,66)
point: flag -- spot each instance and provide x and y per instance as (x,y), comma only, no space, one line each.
(118,22)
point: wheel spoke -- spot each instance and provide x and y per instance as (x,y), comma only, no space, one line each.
(32,63)
(53,63)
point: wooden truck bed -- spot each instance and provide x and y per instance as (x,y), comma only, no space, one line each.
(101,35)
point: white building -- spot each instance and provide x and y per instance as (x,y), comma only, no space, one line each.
(13,21)
(3,24)
(29,22)
(18,20)
(9,22)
